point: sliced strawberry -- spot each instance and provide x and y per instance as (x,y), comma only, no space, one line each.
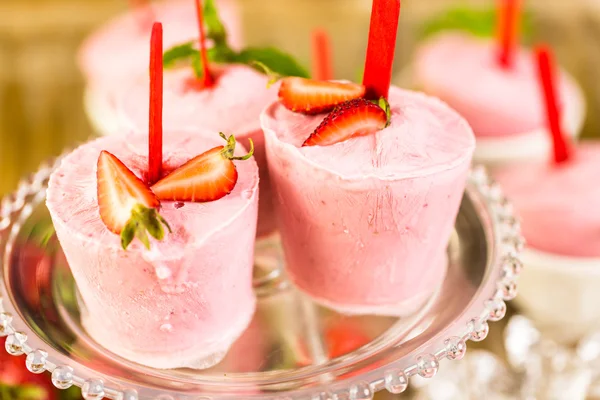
(127,205)
(207,177)
(308,96)
(354,118)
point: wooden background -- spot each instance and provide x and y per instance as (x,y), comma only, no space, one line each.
(40,88)
(41,112)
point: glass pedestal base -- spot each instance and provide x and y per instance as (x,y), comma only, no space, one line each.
(293,348)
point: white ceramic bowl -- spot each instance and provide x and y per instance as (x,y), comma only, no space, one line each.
(561,294)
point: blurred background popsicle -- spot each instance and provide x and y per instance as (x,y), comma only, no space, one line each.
(493,84)
(557,202)
(41,99)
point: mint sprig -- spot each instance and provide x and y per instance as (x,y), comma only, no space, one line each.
(478,21)
(178,53)
(215,29)
(187,53)
(276,60)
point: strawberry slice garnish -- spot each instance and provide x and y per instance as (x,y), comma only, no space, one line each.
(207,177)
(358,117)
(308,96)
(127,206)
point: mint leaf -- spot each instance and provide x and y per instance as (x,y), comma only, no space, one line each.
(263,59)
(478,21)
(221,54)
(179,53)
(215,30)
(276,60)
(197,65)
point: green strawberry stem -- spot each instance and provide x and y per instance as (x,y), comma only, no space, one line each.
(156,104)
(381,48)
(229,149)
(207,78)
(143,221)
(273,77)
(508,26)
(385,106)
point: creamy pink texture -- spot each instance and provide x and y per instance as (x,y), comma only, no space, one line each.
(120,49)
(187,298)
(558,204)
(232,106)
(463,71)
(365,222)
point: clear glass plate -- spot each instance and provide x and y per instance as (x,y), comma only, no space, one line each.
(293,349)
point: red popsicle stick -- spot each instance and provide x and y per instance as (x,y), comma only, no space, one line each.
(547,79)
(509,14)
(207,79)
(144,11)
(156,104)
(321,48)
(381,48)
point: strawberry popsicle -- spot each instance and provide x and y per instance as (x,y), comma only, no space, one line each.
(559,284)
(365,222)
(117,52)
(556,201)
(493,84)
(503,106)
(182,298)
(187,299)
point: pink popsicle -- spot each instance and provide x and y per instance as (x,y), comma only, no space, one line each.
(557,203)
(497,102)
(365,222)
(117,52)
(184,302)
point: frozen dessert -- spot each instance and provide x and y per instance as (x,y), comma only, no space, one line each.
(556,203)
(504,106)
(159,235)
(366,195)
(365,221)
(186,299)
(117,52)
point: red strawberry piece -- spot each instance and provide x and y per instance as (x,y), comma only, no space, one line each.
(127,206)
(16,382)
(313,97)
(207,177)
(35,273)
(354,118)
(343,338)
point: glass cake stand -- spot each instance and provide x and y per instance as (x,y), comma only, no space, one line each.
(293,349)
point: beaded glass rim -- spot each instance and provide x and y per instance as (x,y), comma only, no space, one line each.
(505,256)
